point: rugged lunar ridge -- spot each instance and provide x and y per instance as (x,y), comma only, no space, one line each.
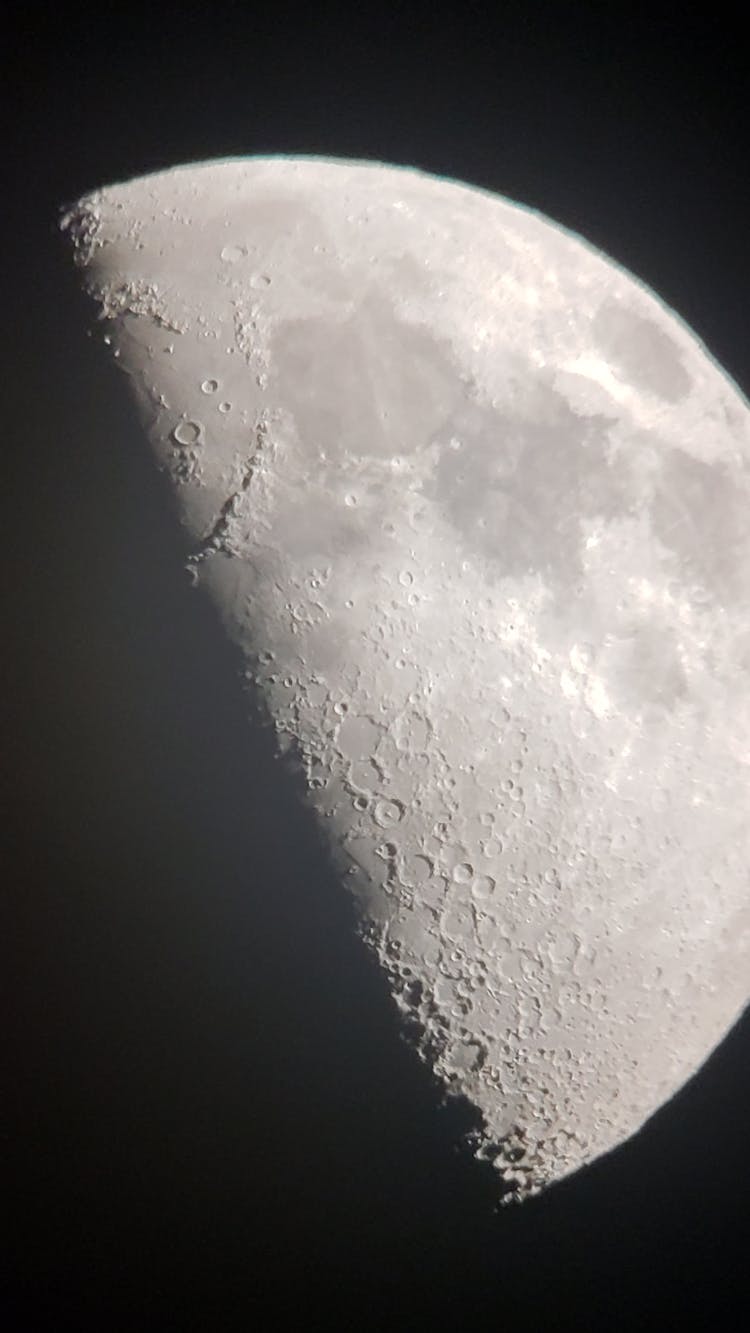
(474,504)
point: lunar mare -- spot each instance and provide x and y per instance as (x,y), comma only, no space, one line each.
(474,505)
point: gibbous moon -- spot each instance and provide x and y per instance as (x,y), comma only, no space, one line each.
(476,507)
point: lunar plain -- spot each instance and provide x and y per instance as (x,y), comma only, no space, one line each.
(474,504)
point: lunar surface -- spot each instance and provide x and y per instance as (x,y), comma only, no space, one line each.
(475,506)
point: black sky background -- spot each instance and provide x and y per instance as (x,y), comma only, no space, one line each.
(209,1118)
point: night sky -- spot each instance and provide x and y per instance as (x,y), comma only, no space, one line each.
(208,1115)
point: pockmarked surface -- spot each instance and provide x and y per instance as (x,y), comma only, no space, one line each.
(475,506)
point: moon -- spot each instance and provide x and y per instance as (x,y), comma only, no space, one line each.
(474,504)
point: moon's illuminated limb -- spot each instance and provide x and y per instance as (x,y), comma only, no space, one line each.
(474,504)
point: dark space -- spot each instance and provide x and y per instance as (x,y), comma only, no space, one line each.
(208,1116)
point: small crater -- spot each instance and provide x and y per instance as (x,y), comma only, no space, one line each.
(187,432)
(483,887)
(420,869)
(387,813)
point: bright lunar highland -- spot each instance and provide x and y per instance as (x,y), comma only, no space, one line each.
(475,505)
